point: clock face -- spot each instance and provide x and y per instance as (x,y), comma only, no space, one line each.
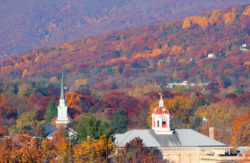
(164,118)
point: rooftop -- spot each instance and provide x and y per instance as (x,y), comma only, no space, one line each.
(161,110)
(180,138)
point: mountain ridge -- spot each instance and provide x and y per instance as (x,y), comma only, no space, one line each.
(31,24)
(173,51)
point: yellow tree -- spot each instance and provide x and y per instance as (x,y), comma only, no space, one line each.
(218,114)
(29,151)
(25,73)
(242,137)
(186,23)
(241,132)
(72,100)
(84,151)
(47,150)
(175,74)
(247,11)
(7,151)
(63,147)
(24,89)
(229,16)
(94,150)
(180,108)
(214,17)
(151,88)
(177,50)
(53,79)
(80,82)
(221,117)
(26,121)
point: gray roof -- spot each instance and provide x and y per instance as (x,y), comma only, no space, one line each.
(49,129)
(180,138)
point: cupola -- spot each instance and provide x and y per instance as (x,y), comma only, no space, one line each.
(161,119)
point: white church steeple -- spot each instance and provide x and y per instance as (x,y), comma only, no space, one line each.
(62,116)
(161,119)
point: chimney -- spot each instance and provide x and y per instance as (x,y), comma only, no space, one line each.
(211,132)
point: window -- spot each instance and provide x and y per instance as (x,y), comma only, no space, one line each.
(158,124)
(164,124)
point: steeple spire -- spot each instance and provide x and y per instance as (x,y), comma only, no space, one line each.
(62,116)
(161,102)
(62,88)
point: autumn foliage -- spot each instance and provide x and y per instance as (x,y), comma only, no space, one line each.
(114,81)
(29,149)
(134,151)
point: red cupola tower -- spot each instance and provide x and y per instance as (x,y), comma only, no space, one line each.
(161,119)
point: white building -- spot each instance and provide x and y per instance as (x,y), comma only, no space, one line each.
(211,56)
(179,145)
(243,48)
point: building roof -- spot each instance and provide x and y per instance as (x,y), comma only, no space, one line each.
(49,129)
(161,110)
(180,138)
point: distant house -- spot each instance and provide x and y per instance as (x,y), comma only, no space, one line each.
(243,48)
(172,85)
(179,145)
(186,84)
(211,56)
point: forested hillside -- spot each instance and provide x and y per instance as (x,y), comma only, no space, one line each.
(173,51)
(113,80)
(26,25)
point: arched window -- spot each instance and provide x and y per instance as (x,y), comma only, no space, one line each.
(164,121)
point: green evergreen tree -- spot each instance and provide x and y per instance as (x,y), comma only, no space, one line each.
(119,121)
(51,111)
(88,125)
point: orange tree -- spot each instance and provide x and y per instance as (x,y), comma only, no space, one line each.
(94,150)
(241,129)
